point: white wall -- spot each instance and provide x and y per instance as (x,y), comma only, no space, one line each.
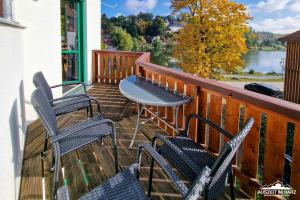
(42,44)
(12,119)
(22,53)
(93,32)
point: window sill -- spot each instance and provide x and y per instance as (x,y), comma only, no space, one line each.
(6,22)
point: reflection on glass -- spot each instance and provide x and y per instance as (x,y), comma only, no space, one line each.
(70,67)
(69,39)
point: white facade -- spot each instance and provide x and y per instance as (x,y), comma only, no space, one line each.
(24,51)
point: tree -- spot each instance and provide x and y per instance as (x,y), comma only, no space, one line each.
(157,27)
(121,39)
(147,17)
(157,46)
(139,44)
(106,25)
(212,40)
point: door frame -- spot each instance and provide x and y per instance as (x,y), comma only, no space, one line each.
(81,24)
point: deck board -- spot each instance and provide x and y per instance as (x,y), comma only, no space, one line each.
(92,164)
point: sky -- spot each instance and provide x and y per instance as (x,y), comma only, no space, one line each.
(277,16)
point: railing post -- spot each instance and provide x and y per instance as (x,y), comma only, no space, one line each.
(94,66)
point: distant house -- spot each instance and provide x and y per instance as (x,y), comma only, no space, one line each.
(292,68)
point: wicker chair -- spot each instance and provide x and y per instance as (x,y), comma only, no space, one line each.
(189,158)
(125,185)
(65,104)
(73,137)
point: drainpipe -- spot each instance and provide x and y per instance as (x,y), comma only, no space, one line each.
(7,9)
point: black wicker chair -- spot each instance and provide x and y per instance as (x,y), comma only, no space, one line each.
(65,104)
(125,185)
(189,158)
(73,137)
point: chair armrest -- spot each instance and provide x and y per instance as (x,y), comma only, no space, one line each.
(70,132)
(69,97)
(178,151)
(68,84)
(180,186)
(81,101)
(210,123)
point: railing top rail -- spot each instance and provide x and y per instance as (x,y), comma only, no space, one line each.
(285,109)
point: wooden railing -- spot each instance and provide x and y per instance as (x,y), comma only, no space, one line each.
(262,157)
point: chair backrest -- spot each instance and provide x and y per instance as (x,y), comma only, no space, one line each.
(40,81)
(223,163)
(44,111)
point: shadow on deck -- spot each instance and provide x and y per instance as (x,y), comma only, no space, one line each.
(91,165)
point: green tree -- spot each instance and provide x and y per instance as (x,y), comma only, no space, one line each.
(212,39)
(157,26)
(121,39)
(147,17)
(139,44)
(106,25)
(104,46)
(157,46)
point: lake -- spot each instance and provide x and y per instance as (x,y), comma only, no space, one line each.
(259,61)
(264,61)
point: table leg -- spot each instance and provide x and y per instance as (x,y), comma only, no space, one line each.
(140,110)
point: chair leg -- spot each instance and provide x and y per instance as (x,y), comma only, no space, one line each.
(116,159)
(114,140)
(232,195)
(55,178)
(87,112)
(150,178)
(52,168)
(91,109)
(45,145)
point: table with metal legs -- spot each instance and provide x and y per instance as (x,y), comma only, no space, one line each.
(145,93)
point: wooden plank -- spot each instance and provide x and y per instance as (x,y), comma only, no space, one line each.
(106,68)
(274,149)
(101,72)
(295,171)
(170,111)
(124,66)
(162,110)
(155,108)
(203,111)
(31,179)
(250,151)
(148,78)
(118,68)
(192,108)
(134,65)
(95,67)
(130,63)
(91,166)
(215,116)
(113,69)
(180,89)
(232,117)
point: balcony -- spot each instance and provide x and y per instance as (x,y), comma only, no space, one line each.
(271,151)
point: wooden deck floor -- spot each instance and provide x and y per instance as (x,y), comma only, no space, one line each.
(93,164)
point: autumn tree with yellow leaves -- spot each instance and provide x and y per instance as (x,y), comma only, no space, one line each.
(212,39)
